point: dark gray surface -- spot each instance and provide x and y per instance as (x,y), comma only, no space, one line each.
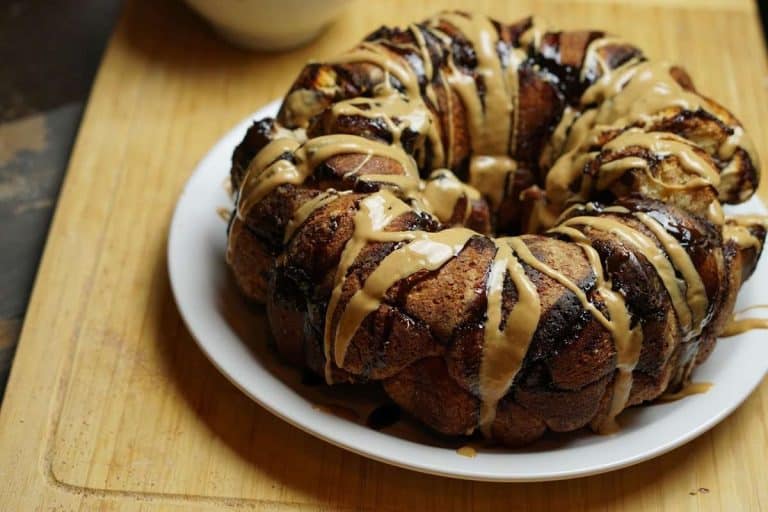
(50,51)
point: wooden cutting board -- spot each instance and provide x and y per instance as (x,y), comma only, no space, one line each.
(111,406)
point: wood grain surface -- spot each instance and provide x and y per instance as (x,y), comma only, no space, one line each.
(111,406)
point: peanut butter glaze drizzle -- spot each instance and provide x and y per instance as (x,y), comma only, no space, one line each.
(648,248)
(308,208)
(736,325)
(628,340)
(504,348)
(492,117)
(629,101)
(616,112)
(375,213)
(442,193)
(424,251)
(692,388)
(736,229)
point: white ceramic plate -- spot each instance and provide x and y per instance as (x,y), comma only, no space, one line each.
(234,338)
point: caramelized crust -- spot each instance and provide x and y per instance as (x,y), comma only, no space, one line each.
(365,216)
